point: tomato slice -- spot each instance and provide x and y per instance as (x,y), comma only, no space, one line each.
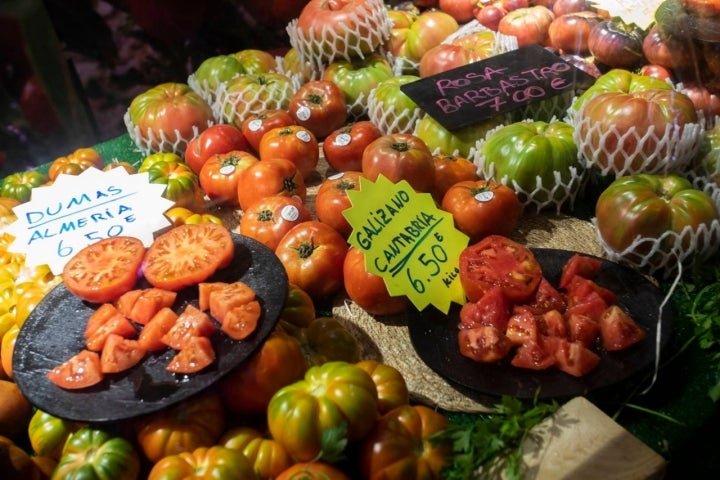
(80,371)
(578,264)
(119,354)
(483,344)
(618,330)
(532,355)
(547,298)
(150,337)
(187,255)
(552,324)
(104,270)
(522,326)
(192,322)
(197,354)
(582,328)
(141,305)
(574,358)
(492,309)
(225,299)
(204,291)
(242,320)
(118,325)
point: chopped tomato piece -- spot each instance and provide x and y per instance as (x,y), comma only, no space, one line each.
(618,330)
(226,298)
(591,305)
(197,354)
(492,308)
(483,344)
(192,322)
(582,328)
(99,317)
(522,326)
(578,264)
(533,356)
(80,371)
(241,321)
(151,335)
(204,291)
(120,353)
(575,358)
(552,324)
(547,298)
(118,325)
(580,287)
(142,304)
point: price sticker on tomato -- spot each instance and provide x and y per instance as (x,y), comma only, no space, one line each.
(409,242)
(78,210)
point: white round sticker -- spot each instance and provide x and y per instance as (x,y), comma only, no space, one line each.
(484,196)
(303,113)
(336,176)
(227,169)
(289,213)
(255,125)
(303,135)
(343,140)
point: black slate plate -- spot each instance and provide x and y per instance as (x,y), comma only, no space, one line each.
(434,337)
(54,332)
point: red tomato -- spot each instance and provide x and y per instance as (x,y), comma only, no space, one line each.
(120,353)
(533,355)
(319,106)
(618,330)
(187,255)
(142,304)
(99,317)
(150,337)
(218,138)
(295,143)
(449,170)
(272,176)
(570,32)
(573,358)
(343,148)
(257,124)
(483,207)
(80,371)
(192,322)
(492,309)
(368,290)
(400,156)
(530,25)
(197,354)
(461,10)
(104,270)
(547,298)
(498,261)
(219,175)
(583,329)
(485,344)
(313,254)
(116,325)
(331,200)
(444,57)
(579,264)
(270,218)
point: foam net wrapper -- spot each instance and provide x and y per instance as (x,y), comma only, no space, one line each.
(363,32)
(153,142)
(390,119)
(234,107)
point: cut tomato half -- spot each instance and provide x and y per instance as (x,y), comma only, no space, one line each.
(80,371)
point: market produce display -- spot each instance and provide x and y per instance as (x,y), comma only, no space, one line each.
(219,348)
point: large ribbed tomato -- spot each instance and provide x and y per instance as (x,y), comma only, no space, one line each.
(400,156)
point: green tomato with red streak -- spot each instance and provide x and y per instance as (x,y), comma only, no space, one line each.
(622,81)
(460,142)
(248,94)
(391,109)
(90,453)
(48,433)
(19,185)
(182,184)
(357,78)
(412,34)
(216,70)
(203,462)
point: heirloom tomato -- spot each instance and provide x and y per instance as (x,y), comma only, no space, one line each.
(400,445)
(211,462)
(196,422)
(181,215)
(181,183)
(616,43)
(295,143)
(489,14)
(461,142)
(482,207)
(93,453)
(390,108)
(343,148)
(413,34)
(665,50)
(255,61)
(312,253)
(369,290)
(449,170)
(327,340)
(640,206)
(257,124)
(391,386)
(268,457)
(400,156)
(312,470)
(461,10)
(7,346)
(299,309)
(268,219)
(75,163)
(220,173)
(319,106)
(356,78)
(219,138)
(331,200)
(216,70)
(253,93)
(48,433)
(273,176)
(15,410)
(444,57)
(170,111)
(622,81)
(569,33)
(19,185)
(18,465)
(530,25)
(335,396)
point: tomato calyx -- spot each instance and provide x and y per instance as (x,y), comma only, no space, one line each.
(306,249)
(315,99)
(344,185)
(400,146)
(265,215)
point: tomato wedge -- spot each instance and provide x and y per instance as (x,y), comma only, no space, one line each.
(99,317)
(225,299)
(118,325)
(242,320)
(187,255)
(104,270)
(119,354)
(80,371)
(150,337)
(191,322)
(141,305)
(197,354)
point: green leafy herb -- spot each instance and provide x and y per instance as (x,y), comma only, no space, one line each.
(492,442)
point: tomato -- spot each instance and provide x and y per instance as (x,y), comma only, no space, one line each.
(463,141)
(15,410)
(213,72)
(104,270)
(141,305)
(79,371)
(196,354)
(313,253)
(247,94)
(119,354)
(19,185)
(461,10)
(17,464)
(191,323)
(620,80)
(574,358)
(331,200)
(196,422)
(272,176)
(181,183)
(547,298)
(498,261)
(187,255)
(400,443)
(522,327)
(414,34)
(257,124)
(219,175)
(299,309)
(319,106)
(533,355)
(94,453)
(570,32)
(530,25)
(449,170)
(216,139)
(255,61)
(181,215)
(356,78)
(616,43)
(444,57)
(400,156)
(116,325)
(166,117)
(203,462)
(7,347)
(327,340)
(618,330)
(151,335)
(391,109)
(582,328)
(295,143)
(343,147)
(268,219)
(313,470)
(75,163)
(391,386)
(335,395)
(489,14)
(278,362)
(579,264)
(267,456)
(242,321)
(483,344)
(369,290)
(492,309)
(48,433)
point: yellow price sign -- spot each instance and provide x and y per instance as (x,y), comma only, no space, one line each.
(409,242)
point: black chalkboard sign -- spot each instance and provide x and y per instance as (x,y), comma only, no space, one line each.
(475,92)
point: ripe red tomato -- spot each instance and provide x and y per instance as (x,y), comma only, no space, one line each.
(499,261)
(443,57)
(461,10)
(273,176)
(570,32)
(220,173)
(617,44)
(449,170)
(257,124)
(80,371)
(400,156)
(483,207)
(530,25)
(343,148)
(219,138)
(269,218)
(295,143)
(331,200)
(187,255)
(319,106)
(104,270)
(313,254)
(368,290)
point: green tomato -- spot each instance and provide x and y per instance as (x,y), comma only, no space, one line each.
(459,142)
(93,454)
(254,93)
(216,462)
(710,155)
(391,109)
(216,70)
(19,185)
(182,185)
(620,80)
(357,78)
(154,158)
(48,433)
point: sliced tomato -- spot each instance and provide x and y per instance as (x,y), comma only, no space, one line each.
(483,344)
(119,354)
(574,358)
(242,320)
(104,270)
(187,255)
(150,337)
(552,324)
(225,299)
(582,328)
(197,354)
(142,304)
(580,287)
(492,309)
(192,322)
(99,317)
(591,305)
(578,264)
(118,325)
(204,291)
(618,330)
(532,355)
(547,298)
(80,371)
(522,326)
